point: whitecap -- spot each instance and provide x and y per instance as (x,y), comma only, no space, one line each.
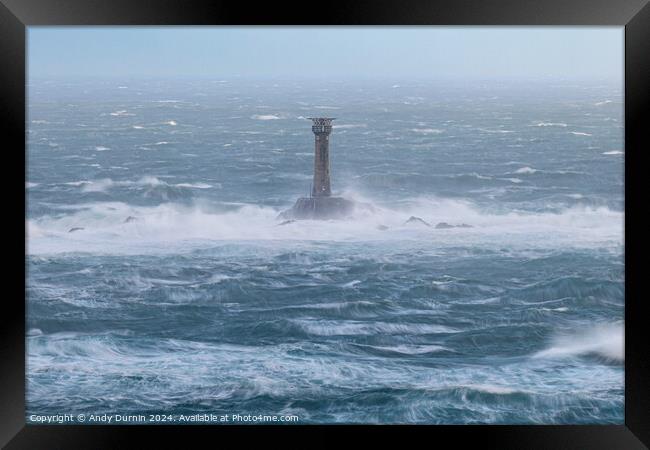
(606,340)
(613,152)
(526,170)
(194,185)
(411,349)
(265,117)
(357,328)
(427,130)
(122,112)
(490,388)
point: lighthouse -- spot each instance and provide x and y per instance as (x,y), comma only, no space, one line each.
(322,127)
(320,205)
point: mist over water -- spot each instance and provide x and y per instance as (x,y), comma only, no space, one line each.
(160,278)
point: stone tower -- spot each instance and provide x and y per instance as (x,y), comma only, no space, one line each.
(322,127)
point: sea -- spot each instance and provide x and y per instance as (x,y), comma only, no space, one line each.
(161,281)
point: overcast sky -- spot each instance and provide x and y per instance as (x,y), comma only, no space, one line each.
(341,52)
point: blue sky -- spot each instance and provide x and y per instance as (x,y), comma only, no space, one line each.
(341,52)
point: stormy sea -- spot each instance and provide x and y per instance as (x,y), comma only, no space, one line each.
(160,279)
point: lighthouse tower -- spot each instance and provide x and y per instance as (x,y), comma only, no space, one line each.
(322,127)
(320,205)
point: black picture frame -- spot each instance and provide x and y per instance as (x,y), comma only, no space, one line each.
(634,15)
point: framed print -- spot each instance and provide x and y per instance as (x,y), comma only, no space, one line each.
(381,218)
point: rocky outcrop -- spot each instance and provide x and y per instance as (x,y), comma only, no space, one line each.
(417,220)
(445,225)
(320,208)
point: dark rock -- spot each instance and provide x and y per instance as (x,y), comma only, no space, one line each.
(286,222)
(130,219)
(72,230)
(443,226)
(414,219)
(319,208)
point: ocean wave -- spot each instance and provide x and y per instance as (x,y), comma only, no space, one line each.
(551,124)
(412,349)
(122,112)
(265,117)
(605,340)
(427,130)
(107,227)
(525,170)
(104,184)
(356,328)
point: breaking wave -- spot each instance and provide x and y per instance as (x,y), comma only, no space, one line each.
(117,226)
(603,340)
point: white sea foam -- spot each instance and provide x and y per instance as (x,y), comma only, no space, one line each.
(104,184)
(122,112)
(605,340)
(579,133)
(264,117)
(551,124)
(486,130)
(613,152)
(30,185)
(101,148)
(526,170)
(194,185)
(490,388)
(427,130)
(173,123)
(411,349)
(604,102)
(173,227)
(351,284)
(351,327)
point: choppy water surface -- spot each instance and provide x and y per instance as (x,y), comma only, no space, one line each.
(180,293)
